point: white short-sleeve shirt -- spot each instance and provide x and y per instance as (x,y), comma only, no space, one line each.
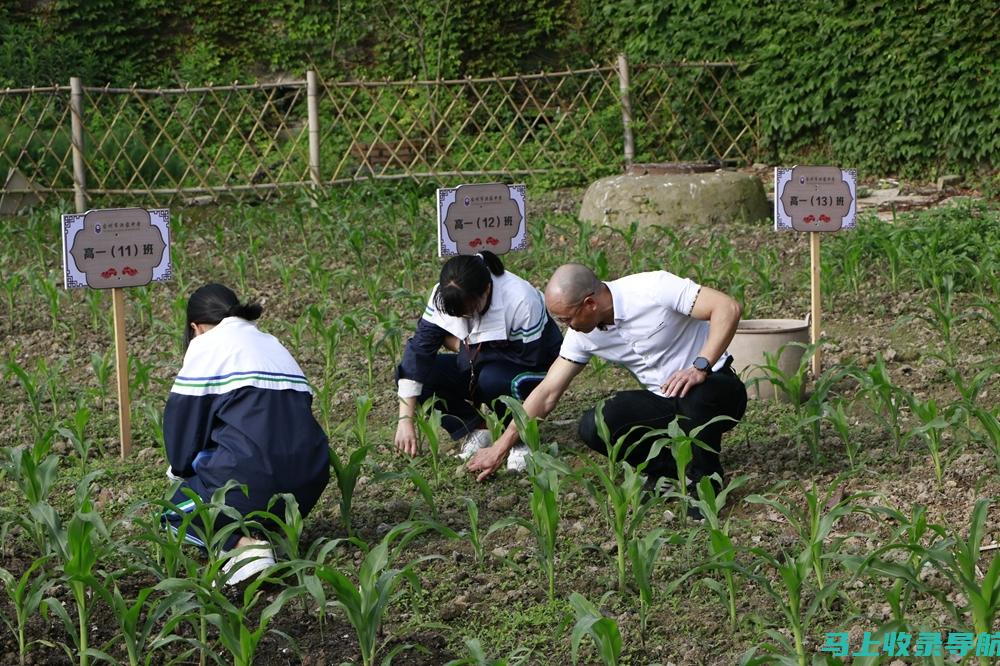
(653,335)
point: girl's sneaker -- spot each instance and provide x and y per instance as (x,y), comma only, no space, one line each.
(517,459)
(475,440)
(248,561)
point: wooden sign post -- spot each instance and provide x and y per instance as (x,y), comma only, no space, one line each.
(116,248)
(815,200)
(472,218)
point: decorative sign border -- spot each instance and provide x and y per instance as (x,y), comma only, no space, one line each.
(446,197)
(783,221)
(74,278)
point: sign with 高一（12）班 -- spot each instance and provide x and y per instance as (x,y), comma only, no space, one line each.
(116,247)
(815,198)
(473,218)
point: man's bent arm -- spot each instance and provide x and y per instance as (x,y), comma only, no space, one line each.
(723,315)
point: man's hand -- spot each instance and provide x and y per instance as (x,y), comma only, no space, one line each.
(406,437)
(486,461)
(683,381)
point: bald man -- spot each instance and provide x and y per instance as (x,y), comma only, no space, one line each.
(671,333)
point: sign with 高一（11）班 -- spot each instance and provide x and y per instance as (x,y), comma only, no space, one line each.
(473,218)
(815,198)
(116,247)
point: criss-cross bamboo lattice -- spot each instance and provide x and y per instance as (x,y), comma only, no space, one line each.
(118,143)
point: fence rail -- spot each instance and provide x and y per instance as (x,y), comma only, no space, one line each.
(160,143)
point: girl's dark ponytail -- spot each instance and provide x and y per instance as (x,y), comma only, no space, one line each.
(214,302)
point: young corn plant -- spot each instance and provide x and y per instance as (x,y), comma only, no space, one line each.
(720,546)
(814,521)
(428,422)
(238,634)
(603,631)
(933,423)
(643,553)
(347,473)
(546,473)
(885,399)
(920,543)
(981,589)
(77,436)
(365,603)
(793,572)
(33,390)
(990,422)
(25,594)
(149,624)
(103,366)
(791,385)
(82,545)
(835,414)
(35,471)
(618,492)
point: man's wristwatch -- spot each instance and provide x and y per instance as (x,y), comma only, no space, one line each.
(703,364)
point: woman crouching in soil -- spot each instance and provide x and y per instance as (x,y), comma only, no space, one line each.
(240,409)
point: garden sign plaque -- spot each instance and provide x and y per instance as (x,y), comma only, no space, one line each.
(814,198)
(472,218)
(116,247)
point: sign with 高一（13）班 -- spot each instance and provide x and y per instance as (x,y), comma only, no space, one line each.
(116,247)
(815,198)
(473,218)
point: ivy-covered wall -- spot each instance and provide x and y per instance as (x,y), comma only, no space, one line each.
(888,86)
(906,87)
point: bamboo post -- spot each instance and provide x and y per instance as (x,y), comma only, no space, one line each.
(121,372)
(312,104)
(814,330)
(117,295)
(623,87)
(79,165)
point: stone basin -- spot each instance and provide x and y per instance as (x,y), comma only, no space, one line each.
(674,199)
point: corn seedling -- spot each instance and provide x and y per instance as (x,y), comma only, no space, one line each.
(932,425)
(720,546)
(919,541)
(81,546)
(990,421)
(103,366)
(25,594)
(618,492)
(793,573)
(981,588)
(643,553)
(474,537)
(365,603)
(147,625)
(428,422)
(33,391)
(35,471)
(77,436)
(885,399)
(603,631)
(347,473)
(814,522)
(835,415)
(478,657)
(792,385)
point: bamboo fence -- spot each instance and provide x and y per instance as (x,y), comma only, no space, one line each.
(132,145)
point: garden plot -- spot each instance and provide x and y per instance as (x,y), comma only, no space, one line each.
(864,506)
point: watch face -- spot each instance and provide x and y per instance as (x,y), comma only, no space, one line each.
(701,363)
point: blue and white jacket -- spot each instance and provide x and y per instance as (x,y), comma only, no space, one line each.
(515,328)
(241,409)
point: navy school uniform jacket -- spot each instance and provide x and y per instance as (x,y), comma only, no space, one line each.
(515,328)
(241,409)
